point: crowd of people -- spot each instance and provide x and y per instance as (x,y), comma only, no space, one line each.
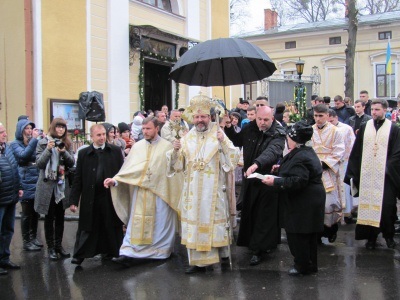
(200,166)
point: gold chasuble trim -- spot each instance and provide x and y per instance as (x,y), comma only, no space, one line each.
(372,180)
(145,167)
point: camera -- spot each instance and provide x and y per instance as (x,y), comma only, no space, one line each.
(59,144)
(40,131)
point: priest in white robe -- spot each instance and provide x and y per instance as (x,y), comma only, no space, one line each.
(145,199)
(348,138)
(206,157)
(328,143)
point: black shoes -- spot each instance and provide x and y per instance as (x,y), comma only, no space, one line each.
(390,243)
(36,242)
(123,260)
(29,246)
(196,269)
(370,245)
(62,253)
(9,265)
(77,261)
(3,272)
(53,255)
(349,220)
(255,260)
(332,238)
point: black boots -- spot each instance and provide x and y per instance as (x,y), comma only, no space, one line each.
(33,230)
(54,232)
(26,226)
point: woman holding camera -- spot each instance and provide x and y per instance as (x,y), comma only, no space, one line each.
(24,148)
(53,158)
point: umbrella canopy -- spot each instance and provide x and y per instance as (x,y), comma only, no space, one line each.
(222,62)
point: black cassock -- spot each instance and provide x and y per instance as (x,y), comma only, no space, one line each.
(259,225)
(391,185)
(99,229)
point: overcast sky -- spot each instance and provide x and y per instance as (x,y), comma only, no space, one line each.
(256,19)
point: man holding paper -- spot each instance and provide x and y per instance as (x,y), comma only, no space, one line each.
(263,141)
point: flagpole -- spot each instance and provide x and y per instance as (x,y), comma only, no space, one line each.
(389,66)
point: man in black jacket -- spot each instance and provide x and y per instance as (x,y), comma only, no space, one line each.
(99,228)
(263,141)
(360,117)
(10,191)
(343,111)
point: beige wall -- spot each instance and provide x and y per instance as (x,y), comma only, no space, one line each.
(98,43)
(314,48)
(12,64)
(64,51)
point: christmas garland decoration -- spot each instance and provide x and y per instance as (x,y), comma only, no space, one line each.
(141,75)
(300,101)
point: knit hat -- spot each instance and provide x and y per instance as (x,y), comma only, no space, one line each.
(123,127)
(300,132)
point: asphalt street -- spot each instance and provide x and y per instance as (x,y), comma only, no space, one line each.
(346,271)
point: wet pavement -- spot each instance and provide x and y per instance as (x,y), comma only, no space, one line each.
(346,271)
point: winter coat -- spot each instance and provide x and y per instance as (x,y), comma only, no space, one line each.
(10,182)
(26,159)
(254,143)
(83,187)
(301,191)
(45,187)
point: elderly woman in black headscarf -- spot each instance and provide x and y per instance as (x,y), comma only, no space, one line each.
(303,196)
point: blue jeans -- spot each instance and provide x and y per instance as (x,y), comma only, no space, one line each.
(7,218)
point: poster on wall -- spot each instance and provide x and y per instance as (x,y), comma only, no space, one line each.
(69,111)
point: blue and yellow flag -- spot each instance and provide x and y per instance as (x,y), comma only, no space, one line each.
(388,59)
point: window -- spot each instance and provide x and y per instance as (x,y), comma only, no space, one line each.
(335,40)
(290,45)
(162,4)
(385,83)
(250,91)
(384,35)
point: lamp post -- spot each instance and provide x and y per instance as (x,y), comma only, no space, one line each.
(300,91)
(300,68)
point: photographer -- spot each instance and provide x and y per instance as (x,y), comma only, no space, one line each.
(53,158)
(24,148)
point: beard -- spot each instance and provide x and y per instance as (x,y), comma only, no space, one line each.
(201,126)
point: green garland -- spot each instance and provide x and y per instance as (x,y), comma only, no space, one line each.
(141,75)
(300,101)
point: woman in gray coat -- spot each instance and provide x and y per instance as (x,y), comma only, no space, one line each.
(54,157)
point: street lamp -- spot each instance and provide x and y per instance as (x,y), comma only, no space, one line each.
(300,68)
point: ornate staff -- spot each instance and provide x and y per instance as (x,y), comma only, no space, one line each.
(228,224)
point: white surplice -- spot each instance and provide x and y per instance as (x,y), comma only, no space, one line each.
(165,228)
(329,145)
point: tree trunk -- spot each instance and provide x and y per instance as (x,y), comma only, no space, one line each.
(351,48)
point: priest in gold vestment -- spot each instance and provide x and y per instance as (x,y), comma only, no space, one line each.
(145,199)
(328,143)
(374,173)
(205,156)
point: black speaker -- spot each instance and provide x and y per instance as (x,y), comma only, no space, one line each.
(91,106)
(182,51)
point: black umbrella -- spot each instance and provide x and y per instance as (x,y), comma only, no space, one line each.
(222,62)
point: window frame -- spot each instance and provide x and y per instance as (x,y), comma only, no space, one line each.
(385,34)
(333,40)
(156,4)
(386,78)
(289,44)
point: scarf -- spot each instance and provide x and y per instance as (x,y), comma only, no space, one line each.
(54,171)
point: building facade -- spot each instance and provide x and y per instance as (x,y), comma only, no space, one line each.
(322,46)
(51,51)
